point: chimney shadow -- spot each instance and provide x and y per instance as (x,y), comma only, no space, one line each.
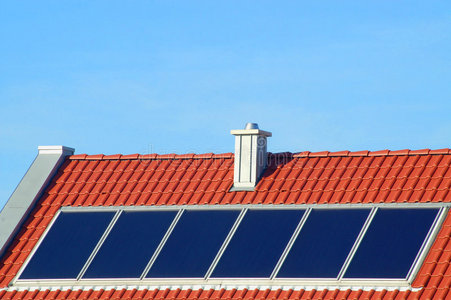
(275,160)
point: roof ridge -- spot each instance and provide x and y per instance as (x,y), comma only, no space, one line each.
(151,156)
(385,152)
(227,155)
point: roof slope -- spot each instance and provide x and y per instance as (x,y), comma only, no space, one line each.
(345,177)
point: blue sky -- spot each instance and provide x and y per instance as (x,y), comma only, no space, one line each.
(175,76)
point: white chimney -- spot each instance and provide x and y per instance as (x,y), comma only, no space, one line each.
(251,157)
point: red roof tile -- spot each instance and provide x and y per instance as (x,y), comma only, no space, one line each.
(222,294)
(314,178)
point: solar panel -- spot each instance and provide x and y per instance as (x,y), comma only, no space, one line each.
(258,243)
(391,243)
(252,249)
(67,245)
(130,244)
(323,243)
(194,243)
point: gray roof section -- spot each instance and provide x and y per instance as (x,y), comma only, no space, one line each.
(30,188)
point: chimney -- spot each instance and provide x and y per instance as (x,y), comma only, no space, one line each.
(251,158)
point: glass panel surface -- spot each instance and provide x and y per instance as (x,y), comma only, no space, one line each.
(323,243)
(130,244)
(258,243)
(193,244)
(391,243)
(67,246)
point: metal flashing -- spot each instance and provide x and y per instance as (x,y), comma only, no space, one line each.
(226,282)
(56,150)
(257,206)
(28,191)
(242,188)
(107,285)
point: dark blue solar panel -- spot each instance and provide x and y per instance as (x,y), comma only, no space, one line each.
(130,244)
(324,243)
(193,244)
(391,243)
(67,246)
(258,243)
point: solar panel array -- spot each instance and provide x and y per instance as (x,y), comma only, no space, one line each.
(352,243)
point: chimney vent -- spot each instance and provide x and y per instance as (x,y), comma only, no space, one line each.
(251,126)
(251,156)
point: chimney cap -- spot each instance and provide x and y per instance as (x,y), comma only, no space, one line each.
(251,129)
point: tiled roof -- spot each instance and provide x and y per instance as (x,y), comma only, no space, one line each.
(421,176)
(210,294)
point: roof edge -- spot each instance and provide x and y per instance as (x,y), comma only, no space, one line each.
(28,191)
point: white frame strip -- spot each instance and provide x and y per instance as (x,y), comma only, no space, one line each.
(357,242)
(427,243)
(294,236)
(36,247)
(161,245)
(226,243)
(99,244)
